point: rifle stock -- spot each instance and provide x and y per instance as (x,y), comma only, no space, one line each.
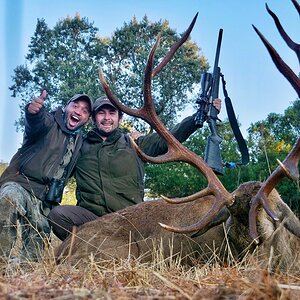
(212,155)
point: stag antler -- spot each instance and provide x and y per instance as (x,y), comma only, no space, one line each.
(289,167)
(176,151)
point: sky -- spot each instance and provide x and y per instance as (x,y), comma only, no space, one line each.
(255,86)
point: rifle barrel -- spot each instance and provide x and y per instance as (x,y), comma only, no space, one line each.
(218,50)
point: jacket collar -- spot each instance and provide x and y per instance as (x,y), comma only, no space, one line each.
(94,136)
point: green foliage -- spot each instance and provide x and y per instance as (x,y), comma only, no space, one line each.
(65,61)
(174,179)
(273,139)
(129,49)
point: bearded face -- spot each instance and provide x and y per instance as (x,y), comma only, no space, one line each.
(107,119)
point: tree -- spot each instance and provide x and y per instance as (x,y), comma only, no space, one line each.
(65,60)
(273,139)
(62,60)
(126,61)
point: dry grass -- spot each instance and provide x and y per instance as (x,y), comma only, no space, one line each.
(130,279)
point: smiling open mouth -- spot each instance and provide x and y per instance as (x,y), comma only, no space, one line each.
(74,121)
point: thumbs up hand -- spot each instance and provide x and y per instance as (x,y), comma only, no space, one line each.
(37,103)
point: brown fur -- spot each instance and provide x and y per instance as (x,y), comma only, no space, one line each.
(135,232)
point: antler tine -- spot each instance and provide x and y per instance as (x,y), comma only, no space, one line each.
(212,213)
(113,99)
(294,46)
(186,199)
(139,112)
(284,69)
(289,168)
(177,152)
(297,6)
(174,48)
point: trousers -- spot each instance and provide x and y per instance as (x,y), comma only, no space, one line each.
(20,209)
(63,218)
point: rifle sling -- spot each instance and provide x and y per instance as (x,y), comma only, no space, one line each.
(235,127)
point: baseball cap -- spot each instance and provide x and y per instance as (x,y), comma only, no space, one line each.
(101,102)
(82,97)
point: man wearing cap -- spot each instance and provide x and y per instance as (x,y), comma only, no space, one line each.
(34,180)
(109,173)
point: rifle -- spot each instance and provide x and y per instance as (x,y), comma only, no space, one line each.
(207,112)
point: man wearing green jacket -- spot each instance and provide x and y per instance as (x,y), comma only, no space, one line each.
(109,173)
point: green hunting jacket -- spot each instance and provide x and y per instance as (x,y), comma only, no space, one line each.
(110,175)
